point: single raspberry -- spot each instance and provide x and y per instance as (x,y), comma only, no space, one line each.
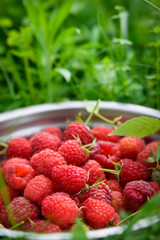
(19,147)
(114,185)
(106,162)
(72,152)
(7,192)
(38,188)
(43,226)
(106,148)
(77,129)
(94,173)
(44,161)
(14,161)
(136,193)
(117,201)
(145,155)
(100,192)
(101,133)
(153,145)
(60,210)
(155,186)
(131,146)
(43,140)
(23,209)
(55,131)
(4,220)
(97,213)
(71,179)
(18,175)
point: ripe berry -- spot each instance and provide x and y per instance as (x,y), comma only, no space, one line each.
(42,226)
(94,173)
(117,201)
(135,194)
(146,154)
(71,179)
(131,146)
(44,161)
(23,209)
(43,140)
(101,133)
(54,131)
(114,185)
(19,147)
(72,152)
(60,210)
(18,175)
(14,161)
(38,188)
(77,129)
(106,162)
(97,213)
(106,148)
(4,220)
(155,186)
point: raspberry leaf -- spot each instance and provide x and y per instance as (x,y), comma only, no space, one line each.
(138,127)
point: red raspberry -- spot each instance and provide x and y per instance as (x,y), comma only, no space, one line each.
(131,146)
(38,188)
(144,155)
(117,201)
(7,191)
(132,171)
(155,186)
(135,194)
(4,220)
(114,185)
(153,146)
(71,179)
(19,147)
(18,175)
(77,129)
(54,131)
(72,152)
(43,226)
(97,213)
(106,148)
(101,133)
(14,161)
(43,140)
(94,172)
(23,209)
(106,162)
(44,161)
(60,210)
(100,192)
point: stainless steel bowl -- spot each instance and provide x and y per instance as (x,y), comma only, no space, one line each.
(29,120)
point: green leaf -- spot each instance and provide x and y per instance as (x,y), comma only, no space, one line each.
(65,73)
(79,232)
(158,153)
(138,127)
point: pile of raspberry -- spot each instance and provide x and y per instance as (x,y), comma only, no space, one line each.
(57,177)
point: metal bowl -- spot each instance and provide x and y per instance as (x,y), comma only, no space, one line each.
(29,120)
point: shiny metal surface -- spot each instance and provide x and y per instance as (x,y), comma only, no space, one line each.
(29,120)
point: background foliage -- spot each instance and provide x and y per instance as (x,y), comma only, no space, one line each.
(58,50)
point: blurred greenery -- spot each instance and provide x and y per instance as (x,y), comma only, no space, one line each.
(58,50)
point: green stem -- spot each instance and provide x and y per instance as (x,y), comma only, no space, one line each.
(103,118)
(93,112)
(125,219)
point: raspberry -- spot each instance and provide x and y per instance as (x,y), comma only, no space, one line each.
(60,210)
(106,148)
(114,185)
(44,161)
(100,192)
(95,175)
(54,131)
(77,129)
(18,175)
(43,226)
(8,191)
(14,161)
(19,147)
(145,154)
(155,186)
(153,145)
(72,152)
(117,201)
(131,146)
(101,133)
(4,220)
(105,162)
(71,179)
(23,209)
(97,213)
(135,194)
(38,188)
(43,140)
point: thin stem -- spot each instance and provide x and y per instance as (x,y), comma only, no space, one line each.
(93,112)
(103,118)
(152,5)
(133,214)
